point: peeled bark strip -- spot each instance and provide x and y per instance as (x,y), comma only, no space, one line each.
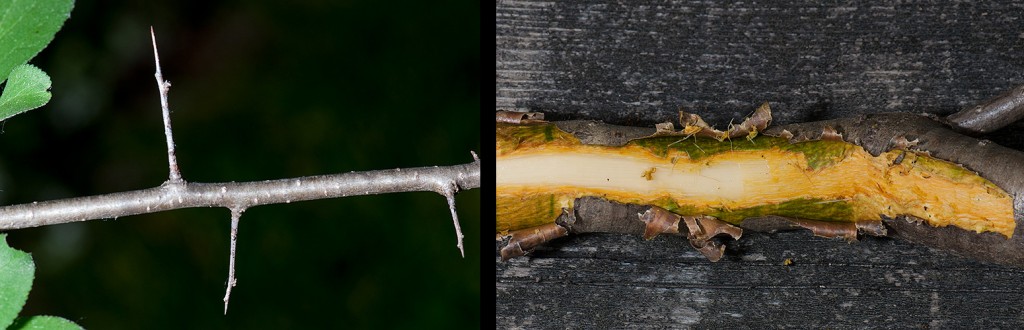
(826,229)
(524,240)
(873,228)
(704,228)
(659,221)
(693,125)
(830,134)
(514,117)
(702,231)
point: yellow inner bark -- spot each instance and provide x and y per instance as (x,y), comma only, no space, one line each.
(894,183)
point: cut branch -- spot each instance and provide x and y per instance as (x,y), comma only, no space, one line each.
(890,163)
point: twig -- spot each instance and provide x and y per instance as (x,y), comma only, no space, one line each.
(176,193)
(174,175)
(238,194)
(236,213)
(449,194)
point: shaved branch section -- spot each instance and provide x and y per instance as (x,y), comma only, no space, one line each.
(542,171)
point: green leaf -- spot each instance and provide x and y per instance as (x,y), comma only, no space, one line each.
(44,323)
(16,273)
(28,88)
(26,27)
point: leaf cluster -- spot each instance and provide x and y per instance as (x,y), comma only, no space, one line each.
(26,27)
(16,273)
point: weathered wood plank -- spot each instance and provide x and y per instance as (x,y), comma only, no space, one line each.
(635,63)
(620,281)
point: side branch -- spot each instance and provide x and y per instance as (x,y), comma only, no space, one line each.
(240,195)
(174,175)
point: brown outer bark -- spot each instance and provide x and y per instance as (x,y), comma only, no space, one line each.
(1002,166)
(991,114)
(876,134)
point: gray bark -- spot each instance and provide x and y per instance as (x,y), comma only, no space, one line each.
(171,195)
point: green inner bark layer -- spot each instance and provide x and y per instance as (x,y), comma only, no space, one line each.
(519,212)
(817,153)
(805,208)
(511,136)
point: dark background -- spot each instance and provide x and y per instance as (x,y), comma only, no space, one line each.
(261,90)
(637,62)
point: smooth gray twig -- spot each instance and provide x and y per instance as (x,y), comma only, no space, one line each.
(239,194)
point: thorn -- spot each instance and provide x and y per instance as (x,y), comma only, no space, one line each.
(174,176)
(236,213)
(449,194)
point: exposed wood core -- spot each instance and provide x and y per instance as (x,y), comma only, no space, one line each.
(540,170)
